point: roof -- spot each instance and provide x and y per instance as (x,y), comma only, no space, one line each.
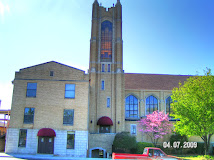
(52,62)
(46,132)
(105,121)
(153,81)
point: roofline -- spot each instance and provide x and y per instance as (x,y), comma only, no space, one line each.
(51,62)
(159,74)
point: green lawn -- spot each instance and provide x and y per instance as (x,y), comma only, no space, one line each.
(195,157)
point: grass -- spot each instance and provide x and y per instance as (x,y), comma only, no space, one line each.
(195,157)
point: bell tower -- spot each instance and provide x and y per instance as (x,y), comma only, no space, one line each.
(106,75)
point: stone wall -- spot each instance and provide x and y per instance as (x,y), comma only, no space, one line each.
(101,141)
(60,142)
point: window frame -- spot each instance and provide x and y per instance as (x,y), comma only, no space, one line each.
(31,89)
(51,73)
(102,85)
(109,68)
(72,140)
(22,138)
(66,118)
(104,130)
(130,110)
(131,129)
(151,104)
(70,90)
(103,67)
(26,115)
(108,102)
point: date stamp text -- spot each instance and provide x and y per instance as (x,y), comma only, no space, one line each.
(178,144)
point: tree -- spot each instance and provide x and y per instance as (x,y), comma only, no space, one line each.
(193,104)
(124,142)
(156,125)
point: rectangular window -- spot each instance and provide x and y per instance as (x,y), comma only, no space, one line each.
(70,140)
(103,85)
(133,129)
(29,115)
(68,117)
(109,67)
(108,102)
(51,73)
(31,89)
(103,67)
(69,90)
(22,137)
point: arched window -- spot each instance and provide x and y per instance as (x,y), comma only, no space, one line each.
(131,107)
(151,105)
(106,41)
(168,105)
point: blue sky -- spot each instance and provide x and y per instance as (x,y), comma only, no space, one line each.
(159,36)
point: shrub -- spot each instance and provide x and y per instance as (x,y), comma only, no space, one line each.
(142,145)
(124,143)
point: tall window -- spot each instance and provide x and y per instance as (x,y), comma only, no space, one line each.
(68,117)
(109,67)
(102,85)
(108,102)
(69,90)
(151,105)
(106,41)
(22,137)
(70,140)
(103,67)
(131,107)
(168,105)
(133,129)
(31,89)
(29,115)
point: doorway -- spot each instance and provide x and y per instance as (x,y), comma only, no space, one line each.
(46,145)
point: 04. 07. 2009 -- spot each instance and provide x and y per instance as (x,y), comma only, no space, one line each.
(178,144)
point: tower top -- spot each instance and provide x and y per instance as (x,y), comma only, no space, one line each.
(96,2)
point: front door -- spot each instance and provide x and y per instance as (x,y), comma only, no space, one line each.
(46,145)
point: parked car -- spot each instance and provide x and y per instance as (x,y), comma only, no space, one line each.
(149,153)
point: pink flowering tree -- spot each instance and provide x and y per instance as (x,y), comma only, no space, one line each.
(155,125)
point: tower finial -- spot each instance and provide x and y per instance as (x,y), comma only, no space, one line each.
(118,1)
(96,2)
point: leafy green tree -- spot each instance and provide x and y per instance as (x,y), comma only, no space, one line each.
(193,104)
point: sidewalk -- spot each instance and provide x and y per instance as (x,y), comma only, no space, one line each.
(4,156)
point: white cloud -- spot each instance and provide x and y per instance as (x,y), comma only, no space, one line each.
(6,91)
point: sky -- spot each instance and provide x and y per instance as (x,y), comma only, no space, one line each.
(159,36)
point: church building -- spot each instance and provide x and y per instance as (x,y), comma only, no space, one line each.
(61,110)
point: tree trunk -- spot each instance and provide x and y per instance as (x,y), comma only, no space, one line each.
(206,140)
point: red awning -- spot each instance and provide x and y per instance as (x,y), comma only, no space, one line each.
(105,121)
(46,132)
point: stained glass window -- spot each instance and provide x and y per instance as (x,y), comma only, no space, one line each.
(106,41)
(168,107)
(131,107)
(151,104)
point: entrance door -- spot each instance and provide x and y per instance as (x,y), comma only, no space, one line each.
(46,145)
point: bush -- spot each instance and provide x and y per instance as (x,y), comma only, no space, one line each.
(142,145)
(124,143)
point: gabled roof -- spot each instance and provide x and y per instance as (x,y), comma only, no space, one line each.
(52,62)
(153,81)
